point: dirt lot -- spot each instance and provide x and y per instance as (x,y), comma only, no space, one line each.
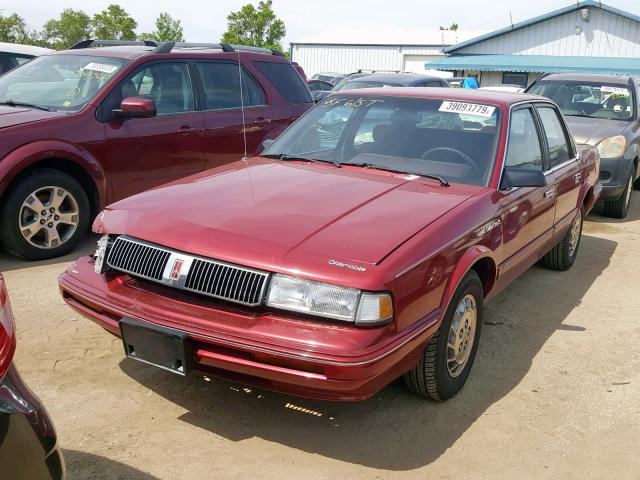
(555,391)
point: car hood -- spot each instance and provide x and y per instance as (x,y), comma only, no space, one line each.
(11,116)
(592,131)
(267,212)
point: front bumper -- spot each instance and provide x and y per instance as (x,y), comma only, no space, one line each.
(293,355)
(614,174)
(28,441)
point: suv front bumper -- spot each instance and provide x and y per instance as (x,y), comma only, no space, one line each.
(614,174)
(297,356)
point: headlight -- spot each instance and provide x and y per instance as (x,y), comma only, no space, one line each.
(331,301)
(612,147)
(101,254)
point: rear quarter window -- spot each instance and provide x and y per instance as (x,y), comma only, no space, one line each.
(286,80)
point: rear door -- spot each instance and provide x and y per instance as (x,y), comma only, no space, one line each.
(564,169)
(527,212)
(145,152)
(227,125)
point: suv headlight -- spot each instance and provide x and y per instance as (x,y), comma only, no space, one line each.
(612,147)
(101,254)
(331,301)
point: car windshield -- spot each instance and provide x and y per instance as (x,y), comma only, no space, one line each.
(611,101)
(357,84)
(58,82)
(451,139)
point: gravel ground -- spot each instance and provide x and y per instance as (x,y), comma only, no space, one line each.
(554,393)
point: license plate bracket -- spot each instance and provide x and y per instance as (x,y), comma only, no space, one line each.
(158,346)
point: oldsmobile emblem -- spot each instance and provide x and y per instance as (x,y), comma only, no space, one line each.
(175,270)
(357,268)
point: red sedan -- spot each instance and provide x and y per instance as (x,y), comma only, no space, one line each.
(359,247)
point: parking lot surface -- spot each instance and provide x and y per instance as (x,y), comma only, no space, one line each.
(554,393)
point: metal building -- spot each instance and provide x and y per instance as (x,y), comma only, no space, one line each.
(587,36)
(348,51)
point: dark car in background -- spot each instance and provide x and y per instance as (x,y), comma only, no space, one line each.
(602,111)
(384,80)
(84,127)
(331,77)
(28,441)
(319,85)
(14,54)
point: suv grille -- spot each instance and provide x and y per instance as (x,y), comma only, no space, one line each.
(187,272)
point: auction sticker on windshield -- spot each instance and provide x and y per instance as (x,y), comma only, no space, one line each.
(476,109)
(618,90)
(101,67)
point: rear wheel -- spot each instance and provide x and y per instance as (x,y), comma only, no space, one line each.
(44,216)
(562,256)
(449,356)
(618,208)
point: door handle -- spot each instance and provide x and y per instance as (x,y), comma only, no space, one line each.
(262,120)
(186,129)
(577,177)
(549,193)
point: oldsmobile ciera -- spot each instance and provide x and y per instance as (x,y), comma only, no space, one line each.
(360,246)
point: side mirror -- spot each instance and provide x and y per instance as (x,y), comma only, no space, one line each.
(266,144)
(136,107)
(514,177)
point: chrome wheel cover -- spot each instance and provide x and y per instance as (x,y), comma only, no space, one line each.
(574,234)
(461,335)
(48,217)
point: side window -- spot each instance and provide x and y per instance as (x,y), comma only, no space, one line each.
(221,82)
(524,145)
(433,83)
(287,81)
(559,151)
(19,59)
(167,84)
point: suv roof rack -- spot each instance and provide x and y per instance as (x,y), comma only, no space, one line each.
(167,47)
(112,43)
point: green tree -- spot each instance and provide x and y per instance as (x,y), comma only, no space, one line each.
(167,30)
(13,29)
(454,26)
(72,27)
(255,26)
(114,23)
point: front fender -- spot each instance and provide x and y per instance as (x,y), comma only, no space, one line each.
(468,259)
(23,157)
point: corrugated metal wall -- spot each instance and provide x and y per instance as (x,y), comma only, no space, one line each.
(349,58)
(604,35)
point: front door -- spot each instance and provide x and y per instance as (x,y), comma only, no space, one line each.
(146,152)
(232,116)
(527,212)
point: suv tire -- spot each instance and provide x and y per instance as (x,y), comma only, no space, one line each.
(62,206)
(618,208)
(433,377)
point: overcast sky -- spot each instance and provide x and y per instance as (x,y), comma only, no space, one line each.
(205,20)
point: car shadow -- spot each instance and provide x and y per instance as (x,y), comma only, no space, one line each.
(8,262)
(83,466)
(395,429)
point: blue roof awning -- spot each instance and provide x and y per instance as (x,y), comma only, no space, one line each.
(537,63)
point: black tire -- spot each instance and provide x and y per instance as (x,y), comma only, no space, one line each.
(619,208)
(431,377)
(11,211)
(562,256)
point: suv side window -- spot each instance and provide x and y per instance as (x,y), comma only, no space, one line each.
(524,149)
(559,151)
(285,78)
(221,83)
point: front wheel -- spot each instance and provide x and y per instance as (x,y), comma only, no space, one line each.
(562,256)
(449,356)
(44,216)
(619,208)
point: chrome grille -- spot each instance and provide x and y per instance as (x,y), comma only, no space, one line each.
(226,281)
(213,278)
(138,258)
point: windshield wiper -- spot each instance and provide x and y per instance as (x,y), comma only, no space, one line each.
(11,103)
(284,157)
(443,181)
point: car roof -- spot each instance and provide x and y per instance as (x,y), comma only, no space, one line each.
(472,95)
(588,77)
(23,49)
(401,78)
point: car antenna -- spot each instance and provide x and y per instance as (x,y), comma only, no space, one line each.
(244,127)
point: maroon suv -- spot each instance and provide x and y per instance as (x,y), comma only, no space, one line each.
(85,127)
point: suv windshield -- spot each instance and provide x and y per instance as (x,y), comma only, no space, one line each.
(611,101)
(453,140)
(58,82)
